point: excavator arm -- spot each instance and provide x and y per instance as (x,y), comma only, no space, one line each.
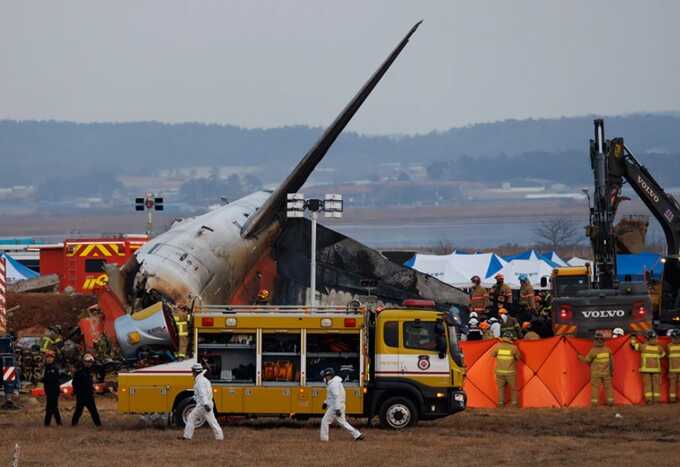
(622,165)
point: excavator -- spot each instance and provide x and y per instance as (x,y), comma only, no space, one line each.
(585,302)
(622,167)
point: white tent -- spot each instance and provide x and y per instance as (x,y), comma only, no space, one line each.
(576,261)
(534,269)
(531,263)
(458,268)
(440,266)
(553,257)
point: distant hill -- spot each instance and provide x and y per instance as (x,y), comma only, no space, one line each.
(33,150)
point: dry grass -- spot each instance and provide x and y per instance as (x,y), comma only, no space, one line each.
(643,436)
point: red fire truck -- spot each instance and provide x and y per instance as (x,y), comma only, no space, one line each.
(79,262)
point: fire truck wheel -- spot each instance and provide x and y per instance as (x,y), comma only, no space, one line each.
(182,411)
(398,413)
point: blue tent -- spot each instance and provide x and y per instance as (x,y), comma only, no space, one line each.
(635,266)
(17,271)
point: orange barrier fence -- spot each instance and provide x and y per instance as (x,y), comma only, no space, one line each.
(551,375)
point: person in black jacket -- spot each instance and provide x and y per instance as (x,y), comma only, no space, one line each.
(51,383)
(84,391)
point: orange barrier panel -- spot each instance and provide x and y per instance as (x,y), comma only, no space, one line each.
(551,375)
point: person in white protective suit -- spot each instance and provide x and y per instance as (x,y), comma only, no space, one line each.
(204,405)
(335,406)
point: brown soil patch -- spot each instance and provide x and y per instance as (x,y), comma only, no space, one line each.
(45,309)
(641,436)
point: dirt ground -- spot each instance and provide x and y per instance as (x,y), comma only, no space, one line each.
(42,309)
(640,436)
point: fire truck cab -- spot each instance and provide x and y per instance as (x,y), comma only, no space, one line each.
(400,364)
(79,262)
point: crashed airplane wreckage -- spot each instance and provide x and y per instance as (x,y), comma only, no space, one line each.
(227,255)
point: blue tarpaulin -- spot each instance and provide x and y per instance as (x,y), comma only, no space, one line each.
(635,266)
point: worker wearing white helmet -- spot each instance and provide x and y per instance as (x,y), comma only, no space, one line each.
(474,332)
(495,327)
(204,405)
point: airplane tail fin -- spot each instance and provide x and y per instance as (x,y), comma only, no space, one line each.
(275,203)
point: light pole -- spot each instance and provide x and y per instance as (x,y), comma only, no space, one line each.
(150,203)
(331,206)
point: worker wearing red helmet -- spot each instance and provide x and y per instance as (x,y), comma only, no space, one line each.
(501,293)
(479,298)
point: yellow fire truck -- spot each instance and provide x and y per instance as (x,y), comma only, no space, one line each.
(402,364)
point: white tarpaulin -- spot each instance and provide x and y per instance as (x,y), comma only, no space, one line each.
(458,268)
(576,261)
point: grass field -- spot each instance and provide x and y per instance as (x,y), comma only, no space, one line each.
(641,436)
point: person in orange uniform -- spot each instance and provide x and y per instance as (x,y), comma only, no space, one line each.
(651,354)
(674,365)
(506,354)
(600,359)
(479,298)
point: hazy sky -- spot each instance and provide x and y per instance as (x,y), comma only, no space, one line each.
(273,63)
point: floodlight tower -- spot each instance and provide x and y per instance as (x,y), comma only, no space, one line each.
(332,206)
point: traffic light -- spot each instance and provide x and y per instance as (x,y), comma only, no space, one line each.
(158,204)
(139,204)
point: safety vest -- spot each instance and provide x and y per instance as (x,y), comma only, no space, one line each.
(479,299)
(47,343)
(600,361)
(505,358)
(674,358)
(502,294)
(526,296)
(650,357)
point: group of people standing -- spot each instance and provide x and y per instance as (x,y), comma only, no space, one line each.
(83,389)
(601,361)
(493,311)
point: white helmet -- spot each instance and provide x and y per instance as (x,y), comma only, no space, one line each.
(493,320)
(473,322)
(474,315)
(196,368)
(617,332)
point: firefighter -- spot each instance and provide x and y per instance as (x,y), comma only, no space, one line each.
(203,396)
(479,298)
(526,298)
(335,406)
(651,354)
(51,383)
(84,391)
(52,339)
(674,365)
(509,324)
(600,359)
(506,355)
(501,294)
